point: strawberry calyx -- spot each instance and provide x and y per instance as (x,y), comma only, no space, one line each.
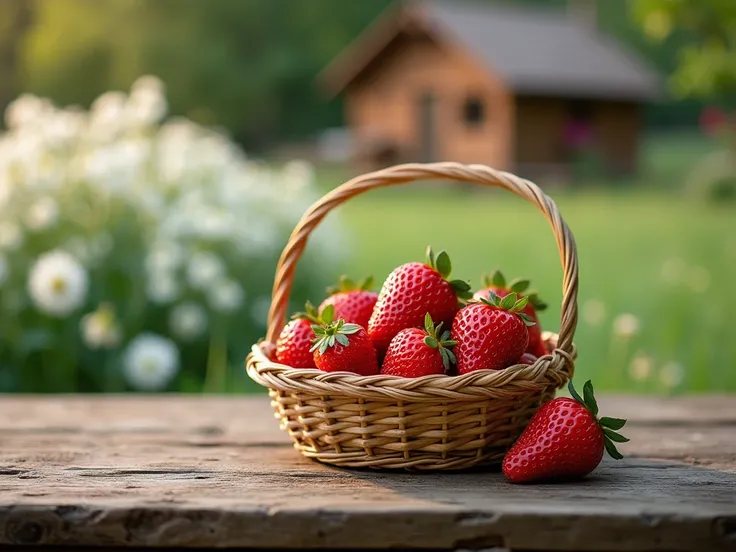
(346,284)
(608,425)
(510,303)
(330,331)
(437,339)
(310,313)
(517,285)
(442,265)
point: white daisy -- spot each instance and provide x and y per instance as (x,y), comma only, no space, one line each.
(162,287)
(42,214)
(100,329)
(150,362)
(204,269)
(58,283)
(188,321)
(626,326)
(226,296)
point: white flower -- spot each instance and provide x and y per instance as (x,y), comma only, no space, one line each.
(42,214)
(641,367)
(226,296)
(107,115)
(626,326)
(11,236)
(204,269)
(188,321)
(594,311)
(162,288)
(673,270)
(147,103)
(57,283)
(25,110)
(4,269)
(150,362)
(671,375)
(100,329)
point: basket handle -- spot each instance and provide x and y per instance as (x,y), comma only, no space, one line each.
(401,174)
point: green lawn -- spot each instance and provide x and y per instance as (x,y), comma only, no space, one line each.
(657,255)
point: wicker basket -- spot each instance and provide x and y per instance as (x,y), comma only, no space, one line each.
(432,422)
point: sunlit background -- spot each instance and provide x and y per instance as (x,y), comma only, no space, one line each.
(155,155)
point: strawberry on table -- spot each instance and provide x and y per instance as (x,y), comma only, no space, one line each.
(414,352)
(497,284)
(353,302)
(490,333)
(295,341)
(410,292)
(343,347)
(564,440)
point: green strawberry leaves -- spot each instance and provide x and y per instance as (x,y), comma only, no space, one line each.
(310,313)
(441,263)
(608,425)
(440,341)
(517,285)
(330,333)
(510,303)
(345,284)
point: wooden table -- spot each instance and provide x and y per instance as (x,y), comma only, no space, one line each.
(217,472)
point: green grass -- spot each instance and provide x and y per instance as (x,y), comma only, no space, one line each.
(658,255)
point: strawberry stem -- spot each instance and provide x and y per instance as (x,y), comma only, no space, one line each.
(347,284)
(608,425)
(310,313)
(510,303)
(330,333)
(437,339)
(441,263)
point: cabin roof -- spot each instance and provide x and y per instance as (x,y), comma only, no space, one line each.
(536,51)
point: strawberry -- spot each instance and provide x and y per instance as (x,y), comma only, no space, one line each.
(295,341)
(527,358)
(353,302)
(498,285)
(490,333)
(414,352)
(564,440)
(410,292)
(343,347)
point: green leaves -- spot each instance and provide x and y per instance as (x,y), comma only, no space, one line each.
(518,285)
(612,423)
(310,313)
(345,284)
(330,333)
(442,343)
(510,303)
(461,289)
(498,280)
(589,397)
(444,266)
(608,425)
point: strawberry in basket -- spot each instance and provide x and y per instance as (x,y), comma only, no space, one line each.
(564,440)
(414,352)
(353,302)
(498,285)
(491,333)
(343,347)
(295,341)
(409,293)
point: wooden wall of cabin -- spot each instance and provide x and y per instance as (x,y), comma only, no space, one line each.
(542,135)
(471,109)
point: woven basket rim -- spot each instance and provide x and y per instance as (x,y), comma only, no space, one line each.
(552,369)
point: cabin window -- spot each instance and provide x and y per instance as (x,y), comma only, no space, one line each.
(474,112)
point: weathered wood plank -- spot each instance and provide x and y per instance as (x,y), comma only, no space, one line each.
(190,471)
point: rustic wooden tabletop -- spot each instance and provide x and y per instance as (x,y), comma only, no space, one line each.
(217,472)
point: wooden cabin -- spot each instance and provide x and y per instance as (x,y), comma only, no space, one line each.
(526,89)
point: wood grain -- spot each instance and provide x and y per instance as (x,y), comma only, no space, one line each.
(206,472)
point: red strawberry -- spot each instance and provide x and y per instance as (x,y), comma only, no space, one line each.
(414,352)
(527,358)
(497,284)
(343,347)
(409,293)
(490,333)
(353,302)
(564,440)
(295,341)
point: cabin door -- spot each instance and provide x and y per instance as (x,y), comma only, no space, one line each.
(427,128)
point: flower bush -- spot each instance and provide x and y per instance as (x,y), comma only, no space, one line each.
(137,253)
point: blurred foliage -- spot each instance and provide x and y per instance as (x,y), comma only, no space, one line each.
(704,34)
(245,65)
